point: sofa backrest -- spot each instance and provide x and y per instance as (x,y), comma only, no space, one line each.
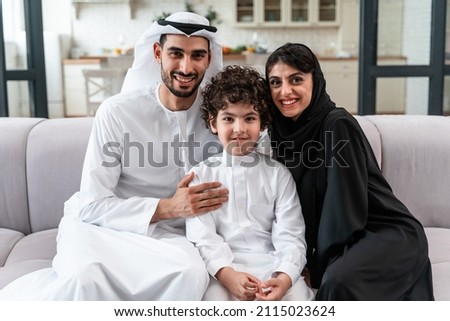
(416,163)
(373,136)
(13,185)
(54,161)
(41,163)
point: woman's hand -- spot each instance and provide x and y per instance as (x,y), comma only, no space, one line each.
(191,200)
(242,285)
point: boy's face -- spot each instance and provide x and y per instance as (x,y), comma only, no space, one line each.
(238,127)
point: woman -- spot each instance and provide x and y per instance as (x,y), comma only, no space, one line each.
(363,243)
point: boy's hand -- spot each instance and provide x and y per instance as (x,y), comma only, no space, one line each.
(275,288)
(242,285)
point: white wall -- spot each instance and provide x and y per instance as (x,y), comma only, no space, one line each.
(390,27)
(56,16)
(101,25)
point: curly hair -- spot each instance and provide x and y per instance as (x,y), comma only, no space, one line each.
(236,84)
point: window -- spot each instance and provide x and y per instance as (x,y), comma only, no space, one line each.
(420,38)
(22,80)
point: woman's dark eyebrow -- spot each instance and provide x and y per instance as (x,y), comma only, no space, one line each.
(300,73)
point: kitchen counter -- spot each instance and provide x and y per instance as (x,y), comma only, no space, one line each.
(243,57)
(356,58)
(122,62)
(80,61)
(263,57)
(99,58)
(259,60)
(234,57)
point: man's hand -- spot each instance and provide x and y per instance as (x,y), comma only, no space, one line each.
(191,201)
(242,285)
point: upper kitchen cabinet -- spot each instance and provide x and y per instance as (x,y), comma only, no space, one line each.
(287,13)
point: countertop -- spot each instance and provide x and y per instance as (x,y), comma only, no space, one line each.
(97,59)
(244,57)
(79,61)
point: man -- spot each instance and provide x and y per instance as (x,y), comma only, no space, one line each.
(122,236)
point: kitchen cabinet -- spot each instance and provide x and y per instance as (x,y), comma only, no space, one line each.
(341,77)
(286,13)
(74,85)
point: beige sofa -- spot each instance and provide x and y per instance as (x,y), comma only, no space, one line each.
(41,162)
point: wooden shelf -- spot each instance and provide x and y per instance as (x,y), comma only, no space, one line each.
(78,3)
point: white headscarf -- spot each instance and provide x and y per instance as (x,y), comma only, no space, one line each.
(146,71)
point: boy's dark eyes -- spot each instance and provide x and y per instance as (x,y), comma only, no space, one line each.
(230,119)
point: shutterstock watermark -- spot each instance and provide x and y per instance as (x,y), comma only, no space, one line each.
(312,154)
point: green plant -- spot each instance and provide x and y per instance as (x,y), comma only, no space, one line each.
(163,15)
(188,7)
(210,14)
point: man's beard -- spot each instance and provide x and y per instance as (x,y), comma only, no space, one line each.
(167,80)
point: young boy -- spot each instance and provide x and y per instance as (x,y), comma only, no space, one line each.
(254,245)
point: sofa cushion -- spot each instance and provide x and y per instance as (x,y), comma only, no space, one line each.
(8,239)
(415,162)
(13,189)
(13,271)
(55,155)
(439,252)
(32,252)
(439,244)
(39,245)
(441,283)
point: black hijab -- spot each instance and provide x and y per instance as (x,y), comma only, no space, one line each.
(309,122)
(295,142)
(291,138)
